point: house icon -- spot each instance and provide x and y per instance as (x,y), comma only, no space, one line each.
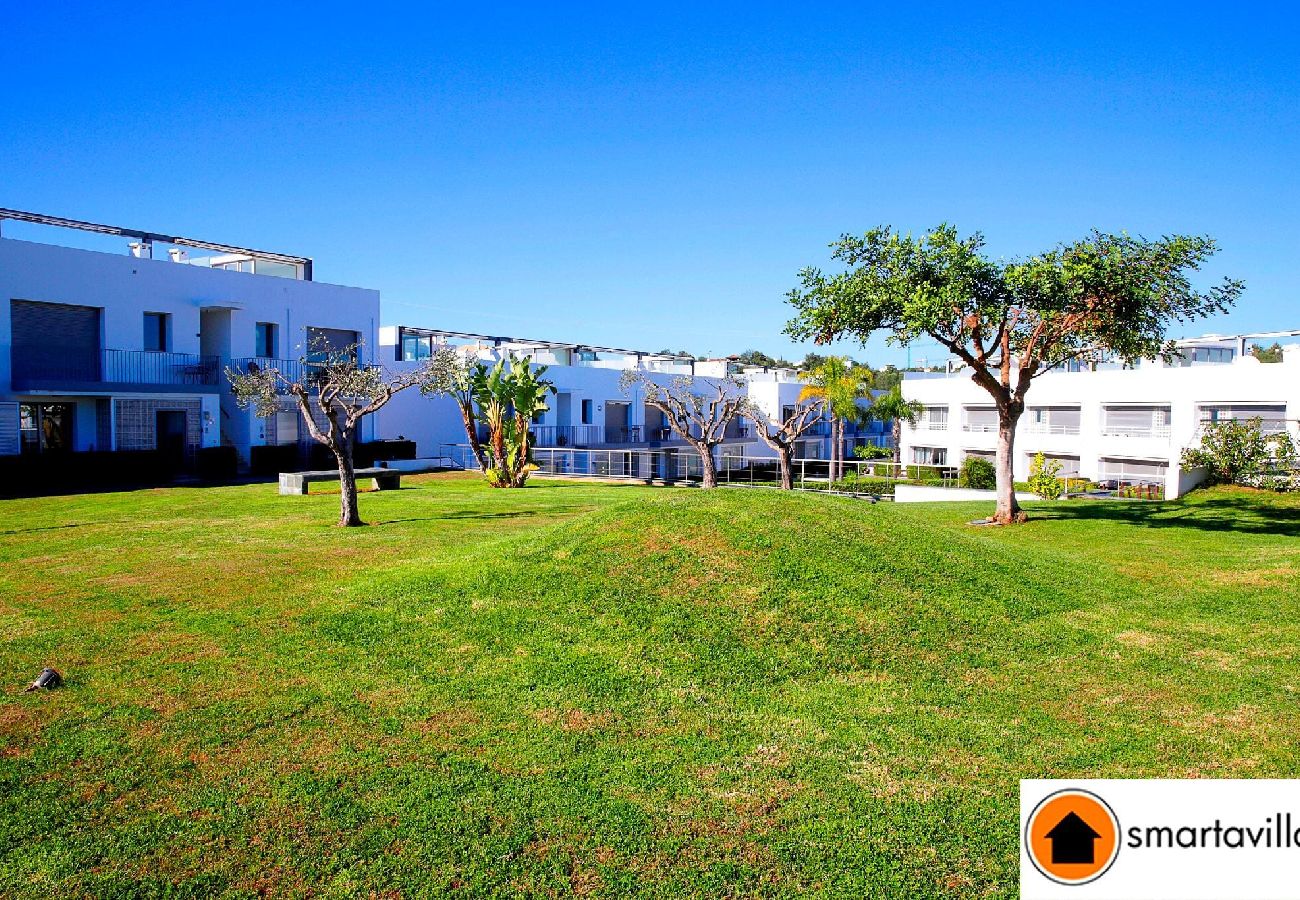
(1073,841)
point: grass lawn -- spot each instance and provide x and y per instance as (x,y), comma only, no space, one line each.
(581,689)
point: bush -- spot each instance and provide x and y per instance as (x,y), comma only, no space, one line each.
(853,483)
(1043,479)
(872,451)
(977,472)
(1230,451)
(216,463)
(273,459)
(1283,483)
(45,474)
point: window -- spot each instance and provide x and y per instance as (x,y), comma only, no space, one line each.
(1136,421)
(1272,418)
(981,418)
(328,345)
(268,340)
(1054,420)
(157,331)
(934,418)
(45,427)
(930,456)
(416,347)
(588,414)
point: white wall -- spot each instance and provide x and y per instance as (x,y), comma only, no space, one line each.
(1183,389)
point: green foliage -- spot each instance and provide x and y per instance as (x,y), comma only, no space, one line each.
(759,358)
(1044,477)
(872,451)
(854,483)
(977,472)
(1271,354)
(1142,492)
(508,396)
(1232,449)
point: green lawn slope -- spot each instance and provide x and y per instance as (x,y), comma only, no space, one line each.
(581,689)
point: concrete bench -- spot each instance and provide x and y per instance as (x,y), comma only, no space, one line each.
(297,482)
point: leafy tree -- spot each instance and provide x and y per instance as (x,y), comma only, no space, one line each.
(894,408)
(508,396)
(458,384)
(329,381)
(699,419)
(759,358)
(781,436)
(839,385)
(872,451)
(1044,477)
(1271,354)
(1233,450)
(977,472)
(1009,322)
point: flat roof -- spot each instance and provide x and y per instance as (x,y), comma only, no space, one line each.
(559,345)
(19,215)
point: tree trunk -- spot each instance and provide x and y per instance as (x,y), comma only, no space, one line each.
(786,454)
(349,515)
(708,468)
(471,434)
(1008,510)
(837,452)
(898,440)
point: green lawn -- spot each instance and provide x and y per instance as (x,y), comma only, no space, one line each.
(600,690)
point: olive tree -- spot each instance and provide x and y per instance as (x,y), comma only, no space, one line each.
(329,382)
(698,418)
(781,436)
(1104,295)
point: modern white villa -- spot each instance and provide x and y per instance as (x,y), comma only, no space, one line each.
(127,351)
(1110,423)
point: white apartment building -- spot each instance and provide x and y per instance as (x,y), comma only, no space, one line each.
(1110,423)
(127,351)
(590,409)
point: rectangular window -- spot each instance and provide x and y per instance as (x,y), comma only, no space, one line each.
(268,340)
(981,418)
(1136,421)
(157,331)
(930,456)
(416,347)
(588,414)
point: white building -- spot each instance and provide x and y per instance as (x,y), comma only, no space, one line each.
(591,410)
(104,351)
(1109,423)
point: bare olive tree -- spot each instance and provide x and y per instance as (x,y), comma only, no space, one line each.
(699,419)
(329,381)
(781,436)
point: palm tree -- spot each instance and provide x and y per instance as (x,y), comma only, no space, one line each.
(839,385)
(893,407)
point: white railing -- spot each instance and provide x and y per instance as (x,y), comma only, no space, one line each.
(982,427)
(1154,431)
(1047,428)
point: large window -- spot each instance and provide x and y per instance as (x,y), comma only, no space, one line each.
(980,418)
(1053,420)
(1069,464)
(933,418)
(157,331)
(268,340)
(930,456)
(45,427)
(327,343)
(1133,471)
(1272,418)
(1136,421)
(416,347)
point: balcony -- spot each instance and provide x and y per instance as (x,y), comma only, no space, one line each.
(622,434)
(138,370)
(1047,428)
(1127,431)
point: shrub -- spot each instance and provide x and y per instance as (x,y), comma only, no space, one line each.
(853,483)
(1043,478)
(872,451)
(1232,450)
(216,463)
(1283,483)
(977,472)
(273,459)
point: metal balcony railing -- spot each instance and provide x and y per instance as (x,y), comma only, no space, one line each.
(117,367)
(1048,428)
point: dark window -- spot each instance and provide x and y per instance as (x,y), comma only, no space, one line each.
(155,331)
(588,416)
(327,343)
(268,340)
(45,427)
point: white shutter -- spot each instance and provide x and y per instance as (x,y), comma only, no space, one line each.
(9,442)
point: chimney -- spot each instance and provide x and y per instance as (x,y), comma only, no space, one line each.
(178,255)
(142,249)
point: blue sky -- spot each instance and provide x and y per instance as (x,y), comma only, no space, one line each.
(656,175)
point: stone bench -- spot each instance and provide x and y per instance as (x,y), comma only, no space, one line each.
(385,479)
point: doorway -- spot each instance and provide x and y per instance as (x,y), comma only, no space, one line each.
(170,436)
